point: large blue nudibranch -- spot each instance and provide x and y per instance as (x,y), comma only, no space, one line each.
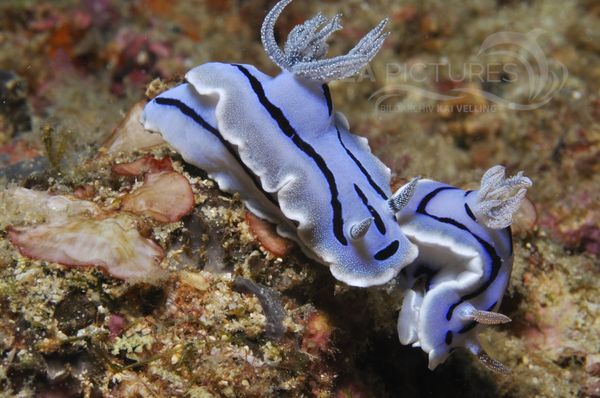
(279,142)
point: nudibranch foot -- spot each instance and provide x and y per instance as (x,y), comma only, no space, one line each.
(306,47)
(464,262)
(499,197)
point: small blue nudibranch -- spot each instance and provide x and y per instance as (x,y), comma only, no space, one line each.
(279,142)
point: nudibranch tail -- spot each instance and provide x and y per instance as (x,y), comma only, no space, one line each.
(306,47)
(499,198)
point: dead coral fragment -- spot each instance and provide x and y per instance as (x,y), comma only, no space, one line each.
(111,243)
(166,197)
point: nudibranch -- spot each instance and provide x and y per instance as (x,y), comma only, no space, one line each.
(279,142)
(464,263)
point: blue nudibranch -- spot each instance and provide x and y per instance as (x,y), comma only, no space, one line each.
(280,143)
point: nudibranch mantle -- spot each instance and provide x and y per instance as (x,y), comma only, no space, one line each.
(281,145)
(279,142)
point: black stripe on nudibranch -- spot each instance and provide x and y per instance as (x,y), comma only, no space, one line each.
(373,184)
(387,251)
(376,217)
(192,114)
(448,338)
(470,213)
(327,95)
(489,249)
(285,126)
